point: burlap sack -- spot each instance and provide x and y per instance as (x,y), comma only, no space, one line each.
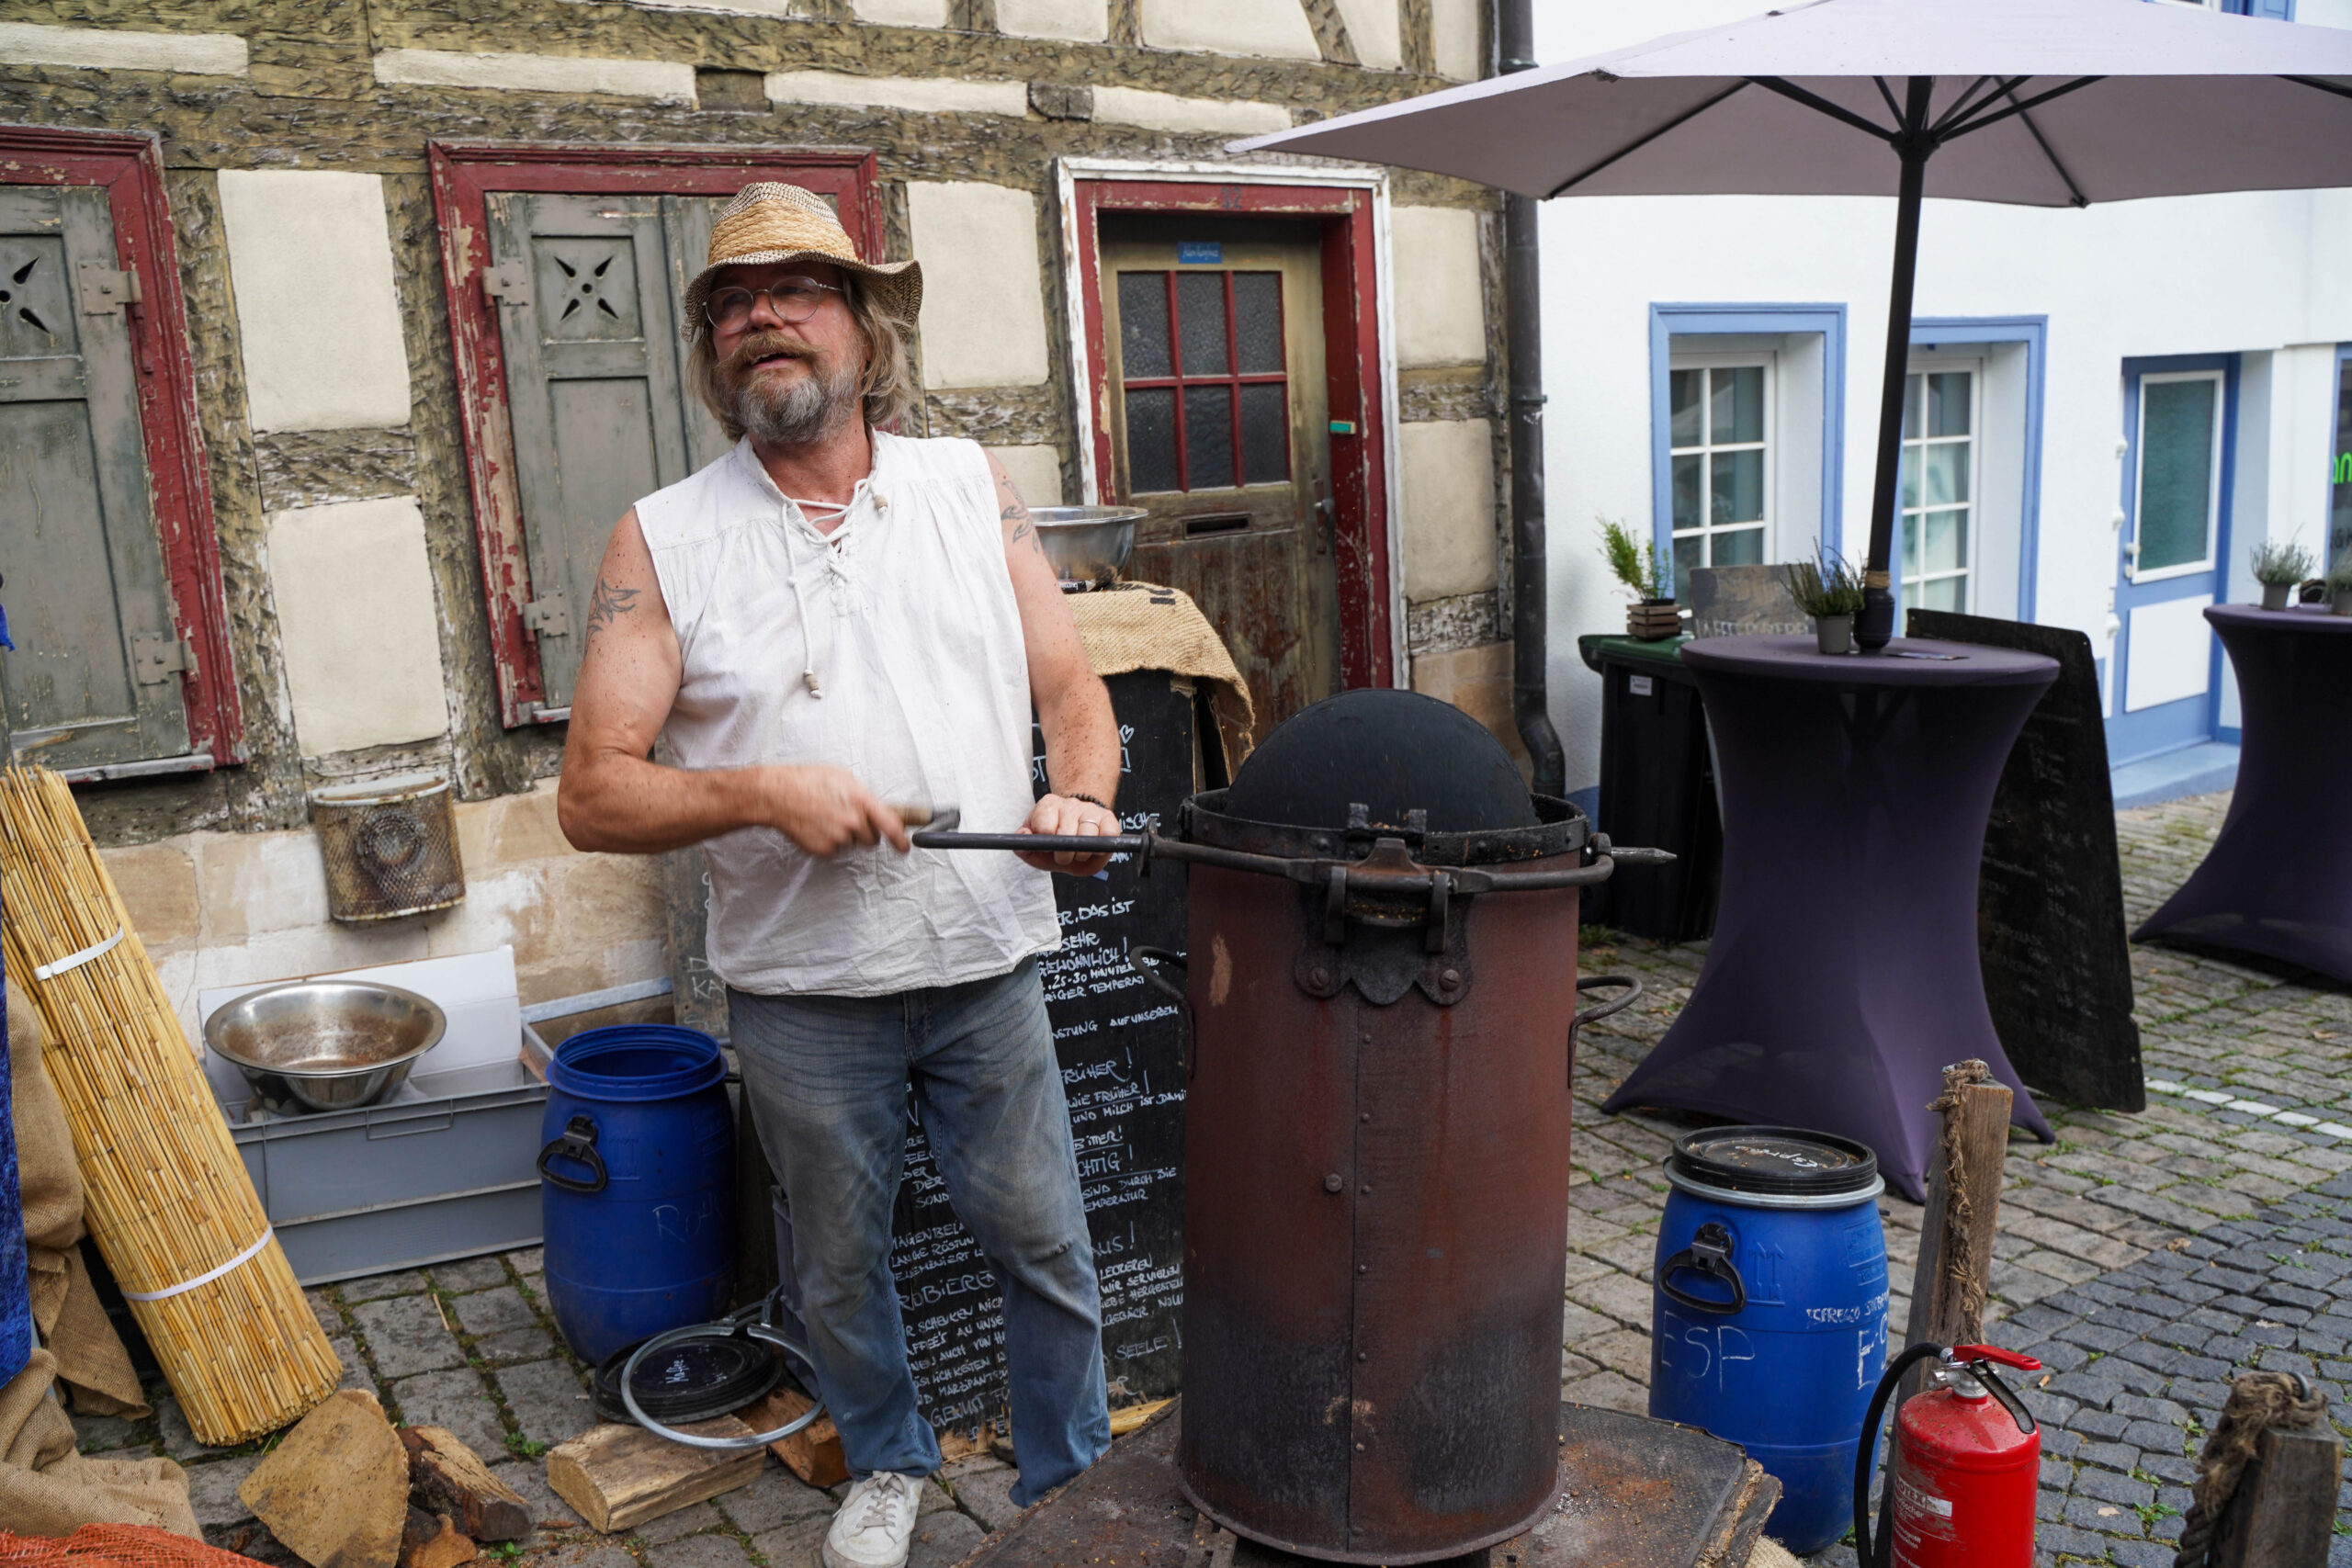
(47,1488)
(90,1359)
(1143,625)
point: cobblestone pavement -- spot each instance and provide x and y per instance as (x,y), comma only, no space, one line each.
(2141,1256)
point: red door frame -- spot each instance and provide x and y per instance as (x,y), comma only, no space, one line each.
(128,166)
(1343,216)
(464,174)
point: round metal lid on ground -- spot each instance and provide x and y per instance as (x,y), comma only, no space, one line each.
(1774,1167)
(696,1380)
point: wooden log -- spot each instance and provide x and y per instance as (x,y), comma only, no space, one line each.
(451,1478)
(1957,1225)
(617,1477)
(2284,1508)
(434,1540)
(336,1491)
(814,1452)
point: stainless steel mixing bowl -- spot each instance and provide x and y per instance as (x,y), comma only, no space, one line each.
(1087,543)
(334,1045)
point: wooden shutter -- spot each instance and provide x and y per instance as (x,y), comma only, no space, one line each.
(589,331)
(96,675)
(687,221)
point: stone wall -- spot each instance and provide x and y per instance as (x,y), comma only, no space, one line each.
(294,136)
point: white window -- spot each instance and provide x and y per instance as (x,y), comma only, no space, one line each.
(2179,481)
(1721,460)
(1941,418)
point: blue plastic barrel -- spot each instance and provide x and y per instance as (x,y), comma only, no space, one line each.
(1769,1322)
(637,1185)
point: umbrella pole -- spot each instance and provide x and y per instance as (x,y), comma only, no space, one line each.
(1875,626)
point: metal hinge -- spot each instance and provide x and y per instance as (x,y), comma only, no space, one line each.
(107,290)
(155,659)
(509,281)
(550,616)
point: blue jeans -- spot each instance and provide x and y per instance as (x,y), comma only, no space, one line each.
(829,1079)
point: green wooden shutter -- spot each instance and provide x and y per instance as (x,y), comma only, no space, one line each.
(590,335)
(96,675)
(686,221)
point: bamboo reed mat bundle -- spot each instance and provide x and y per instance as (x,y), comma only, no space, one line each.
(169,1201)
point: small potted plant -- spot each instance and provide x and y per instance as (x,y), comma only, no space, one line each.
(2279,566)
(1830,592)
(1637,564)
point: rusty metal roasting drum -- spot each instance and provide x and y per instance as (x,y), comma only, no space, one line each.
(1377,1133)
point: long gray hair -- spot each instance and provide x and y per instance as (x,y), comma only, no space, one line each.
(887,388)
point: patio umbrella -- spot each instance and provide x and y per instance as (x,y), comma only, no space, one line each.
(2044,103)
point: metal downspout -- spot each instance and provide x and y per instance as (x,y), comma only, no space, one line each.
(1523,341)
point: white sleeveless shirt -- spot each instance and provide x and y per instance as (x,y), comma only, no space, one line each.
(914,636)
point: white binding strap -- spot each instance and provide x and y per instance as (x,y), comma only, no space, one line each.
(75,960)
(204,1278)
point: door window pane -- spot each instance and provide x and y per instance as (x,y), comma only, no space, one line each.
(2177,430)
(1949,395)
(1200,321)
(1935,482)
(1739,547)
(1686,470)
(1738,486)
(1258,320)
(1736,405)
(1683,401)
(1143,324)
(1208,437)
(1265,433)
(1151,439)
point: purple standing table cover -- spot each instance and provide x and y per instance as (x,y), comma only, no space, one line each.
(2278,880)
(1843,975)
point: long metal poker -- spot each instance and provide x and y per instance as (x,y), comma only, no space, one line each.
(935,831)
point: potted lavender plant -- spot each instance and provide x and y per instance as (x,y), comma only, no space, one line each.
(1638,566)
(1830,590)
(2279,566)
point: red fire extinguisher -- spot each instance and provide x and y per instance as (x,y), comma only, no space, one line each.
(1965,1466)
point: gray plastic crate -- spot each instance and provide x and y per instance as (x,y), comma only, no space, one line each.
(445,1168)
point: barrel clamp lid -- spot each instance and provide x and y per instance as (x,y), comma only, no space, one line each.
(1774,1167)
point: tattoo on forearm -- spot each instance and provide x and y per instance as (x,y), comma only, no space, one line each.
(608,604)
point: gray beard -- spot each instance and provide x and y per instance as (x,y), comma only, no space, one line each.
(808,411)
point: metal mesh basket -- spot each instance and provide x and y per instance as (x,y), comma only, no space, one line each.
(391,847)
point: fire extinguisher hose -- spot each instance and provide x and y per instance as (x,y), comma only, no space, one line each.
(1865,1460)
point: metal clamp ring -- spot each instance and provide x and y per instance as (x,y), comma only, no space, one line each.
(755,1321)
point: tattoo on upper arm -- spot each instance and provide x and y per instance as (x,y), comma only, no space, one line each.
(608,604)
(1017,522)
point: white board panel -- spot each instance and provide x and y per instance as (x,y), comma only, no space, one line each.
(2170,655)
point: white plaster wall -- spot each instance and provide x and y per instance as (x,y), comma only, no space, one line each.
(1276,27)
(1441,317)
(356,619)
(1081,21)
(1035,472)
(310,259)
(902,13)
(111,48)
(984,312)
(1460,40)
(927,95)
(515,72)
(1373,27)
(1447,468)
(1168,112)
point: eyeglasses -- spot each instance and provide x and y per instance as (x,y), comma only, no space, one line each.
(793,300)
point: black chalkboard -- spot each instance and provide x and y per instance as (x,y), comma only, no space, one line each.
(2049,928)
(1121,1053)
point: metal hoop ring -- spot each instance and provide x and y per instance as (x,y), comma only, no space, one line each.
(741,1322)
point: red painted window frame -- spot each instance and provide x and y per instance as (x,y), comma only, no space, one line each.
(128,166)
(1344,215)
(463,175)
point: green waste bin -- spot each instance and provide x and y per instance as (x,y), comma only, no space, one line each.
(1657,787)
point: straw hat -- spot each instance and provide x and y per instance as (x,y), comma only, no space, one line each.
(772,222)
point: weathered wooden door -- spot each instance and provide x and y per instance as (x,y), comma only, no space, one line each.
(1219,421)
(94,675)
(589,328)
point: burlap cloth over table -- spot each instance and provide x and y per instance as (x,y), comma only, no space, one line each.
(46,1487)
(1143,625)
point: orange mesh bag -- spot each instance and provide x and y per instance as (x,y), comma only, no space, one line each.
(131,1546)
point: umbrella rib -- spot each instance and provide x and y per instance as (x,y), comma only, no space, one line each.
(2017,108)
(1820,105)
(1968,101)
(1637,144)
(1888,93)
(2335,87)
(2050,152)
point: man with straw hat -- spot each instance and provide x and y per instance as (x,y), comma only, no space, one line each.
(830,618)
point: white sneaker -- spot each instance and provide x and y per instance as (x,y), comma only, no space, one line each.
(876,1523)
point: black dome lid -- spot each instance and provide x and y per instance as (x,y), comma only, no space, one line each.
(694,1380)
(1773,1161)
(1392,753)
